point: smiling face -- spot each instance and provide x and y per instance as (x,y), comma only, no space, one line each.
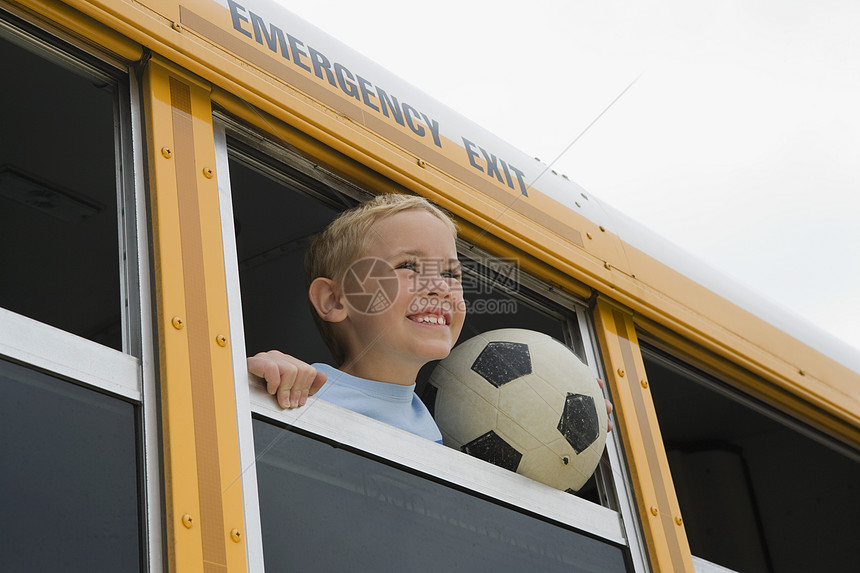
(422,317)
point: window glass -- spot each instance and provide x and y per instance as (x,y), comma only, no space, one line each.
(58,197)
(68,488)
(327,509)
(757,492)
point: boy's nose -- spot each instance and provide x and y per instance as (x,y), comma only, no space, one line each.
(437,285)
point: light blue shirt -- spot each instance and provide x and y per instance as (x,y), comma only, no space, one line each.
(394,404)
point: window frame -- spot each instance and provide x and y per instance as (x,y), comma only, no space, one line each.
(60,353)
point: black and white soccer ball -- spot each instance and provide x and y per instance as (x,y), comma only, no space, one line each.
(524,401)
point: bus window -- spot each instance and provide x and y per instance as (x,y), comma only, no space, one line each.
(274,221)
(275,213)
(78,461)
(757,492)
(59,256)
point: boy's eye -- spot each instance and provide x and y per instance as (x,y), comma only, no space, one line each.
(452,274)
(408,265)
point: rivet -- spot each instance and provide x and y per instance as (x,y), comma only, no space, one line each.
(236,535)
(221,340)
(620,372)
(177,26)
(167,152)
(588,236)
(207,172)
(801,372)
(607,266)
(566,460)
(421,163)
(602,229)
(678,520)
(187,521)
(177,323)
(653,510)
(644,383)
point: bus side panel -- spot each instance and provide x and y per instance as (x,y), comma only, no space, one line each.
(203,493)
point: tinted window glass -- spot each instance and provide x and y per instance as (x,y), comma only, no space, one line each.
(327,509)
(755,493)
(68,487)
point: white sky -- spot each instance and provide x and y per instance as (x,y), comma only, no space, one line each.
(740,141)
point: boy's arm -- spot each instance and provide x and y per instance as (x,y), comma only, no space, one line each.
(289,379)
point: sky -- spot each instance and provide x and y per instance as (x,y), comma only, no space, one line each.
(739,139)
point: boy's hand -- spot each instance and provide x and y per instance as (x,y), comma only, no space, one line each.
(289,379)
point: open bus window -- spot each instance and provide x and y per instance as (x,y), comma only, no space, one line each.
(274,223)
(275,217)
(59,256)
(756,493)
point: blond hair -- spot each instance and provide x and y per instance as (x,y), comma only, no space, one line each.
(343,241)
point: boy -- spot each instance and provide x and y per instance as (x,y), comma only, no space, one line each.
(385,292)
(384,288)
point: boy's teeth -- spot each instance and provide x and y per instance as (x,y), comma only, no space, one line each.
(430,319)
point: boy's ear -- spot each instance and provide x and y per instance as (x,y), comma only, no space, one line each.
(326,299)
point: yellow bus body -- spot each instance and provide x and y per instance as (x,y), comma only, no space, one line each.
(197,56)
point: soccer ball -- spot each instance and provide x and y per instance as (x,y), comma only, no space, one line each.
(524,401)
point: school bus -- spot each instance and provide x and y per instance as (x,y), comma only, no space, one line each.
(162,166)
